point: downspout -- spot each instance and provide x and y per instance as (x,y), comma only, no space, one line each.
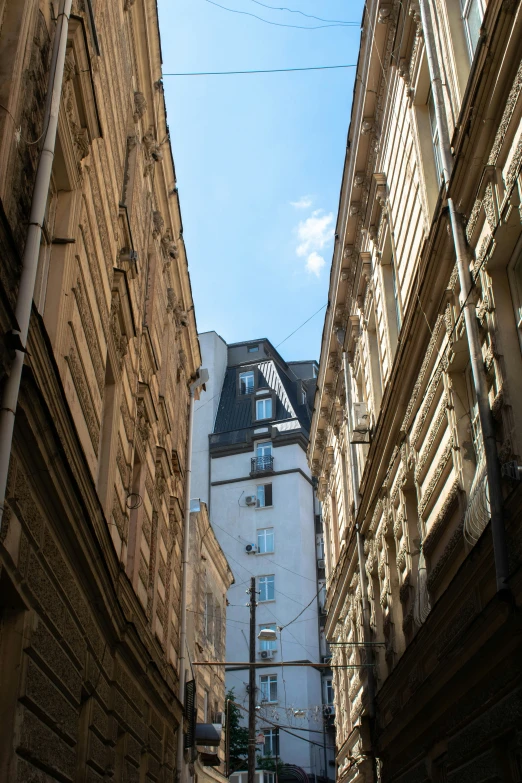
(353,453)
(472,332)
(202,377)
(24,301)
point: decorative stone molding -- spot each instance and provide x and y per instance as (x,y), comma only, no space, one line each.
(507,116)
(169,246)
(158,224)
(84,396)
(140,104)
(367,126)
(384,14)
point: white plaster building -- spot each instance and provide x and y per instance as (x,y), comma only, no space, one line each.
(250,438)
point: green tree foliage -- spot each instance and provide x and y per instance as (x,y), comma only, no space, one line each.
(238,734)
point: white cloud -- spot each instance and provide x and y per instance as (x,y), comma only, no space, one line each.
(304,202)
(314,233)
(314,263)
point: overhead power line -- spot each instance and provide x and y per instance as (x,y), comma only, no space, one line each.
(310,16)
(303,324)
(281,24)
(267,70)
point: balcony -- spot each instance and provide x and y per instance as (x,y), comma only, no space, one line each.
(262,466)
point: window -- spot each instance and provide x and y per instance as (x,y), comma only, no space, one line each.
(329,691)
(266,588)
(265,644)
(265,540)
(246,382)
(264,408)
(208,618)
(253,348)
(264,449)
(303,396)
(264,495)
(472,15)
(434,134)
(263,459)
(268,687)
(271,746)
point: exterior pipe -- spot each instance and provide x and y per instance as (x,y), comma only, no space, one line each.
(31,253)
(472,332)
(201,378)
(353,452)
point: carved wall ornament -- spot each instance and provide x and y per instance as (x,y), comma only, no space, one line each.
(366,126)
(507,115)
(142,421)
(384,14)
(169,245)
(128,5)
(360,179)
(404,71)
(132,141)
(355,208)
(158,223)
(153,152)
(140,105)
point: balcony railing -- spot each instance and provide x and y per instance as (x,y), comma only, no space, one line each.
(264,464)
(246,390)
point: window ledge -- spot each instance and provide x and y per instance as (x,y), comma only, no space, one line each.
(262,508)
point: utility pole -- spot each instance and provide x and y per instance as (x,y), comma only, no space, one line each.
(252,686)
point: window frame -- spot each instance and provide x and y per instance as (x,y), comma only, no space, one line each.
(274,742)
(264,493)
(266,583)
(434,131)
(248,389)
(265,533)
(465,8)
(263,401)
(270,681)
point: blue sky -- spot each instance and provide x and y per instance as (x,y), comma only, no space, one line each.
(259,160)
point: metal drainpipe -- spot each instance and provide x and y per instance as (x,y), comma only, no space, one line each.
(353,453)
(201,379)
(472,332)
(24,301)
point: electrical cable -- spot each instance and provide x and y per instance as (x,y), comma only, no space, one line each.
(279,24)
(266,70)
(274,723)
(309,16)
(303,324)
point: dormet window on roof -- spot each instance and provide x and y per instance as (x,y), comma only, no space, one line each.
(264,408)
(246,382)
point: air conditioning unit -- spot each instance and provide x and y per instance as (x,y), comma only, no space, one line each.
(266,655)
(251,500)
(251,549)
(320,563)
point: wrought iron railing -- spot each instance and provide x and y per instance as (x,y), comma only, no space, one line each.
(262,464)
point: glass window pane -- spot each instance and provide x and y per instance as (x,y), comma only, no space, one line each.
(261,495)
(264,449)
(246,382)
(473,20)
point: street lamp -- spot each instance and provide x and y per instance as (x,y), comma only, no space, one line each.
(267,635)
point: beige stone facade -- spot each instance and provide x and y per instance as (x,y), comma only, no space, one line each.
(397,443)
(209,579)
(90,554)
